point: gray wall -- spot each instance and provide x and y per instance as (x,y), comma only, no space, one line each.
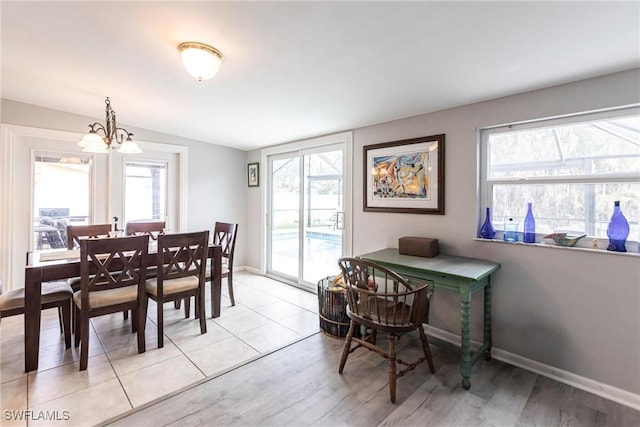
(216,174)
(578,311)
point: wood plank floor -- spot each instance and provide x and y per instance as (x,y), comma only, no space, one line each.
(299,385)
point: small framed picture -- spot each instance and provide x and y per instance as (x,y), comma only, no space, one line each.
(253,174)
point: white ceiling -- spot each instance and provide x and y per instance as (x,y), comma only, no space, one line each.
(294,70)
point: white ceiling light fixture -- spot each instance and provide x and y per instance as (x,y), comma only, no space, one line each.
(201,61)
(94,143)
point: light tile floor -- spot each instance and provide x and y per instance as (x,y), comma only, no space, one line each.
(267,316)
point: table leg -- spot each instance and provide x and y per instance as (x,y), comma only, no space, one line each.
(487,319)
(465,363)
(32,312)
(216,281)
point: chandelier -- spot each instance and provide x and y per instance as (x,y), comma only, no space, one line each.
(93,142)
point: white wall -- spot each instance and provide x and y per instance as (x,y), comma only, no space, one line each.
(571,310)
(216,174)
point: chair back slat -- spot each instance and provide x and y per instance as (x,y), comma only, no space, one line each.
(93,231)
(150,228)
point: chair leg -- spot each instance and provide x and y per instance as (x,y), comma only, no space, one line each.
(187,307)
(134,321)
(176,304)
(125,314)
(160,317)
(230,285)
(78,327)
(426,349)
(66,320)
(203,318)
(84,339)
(141,320)
(347,347)
(60,319)
(392,367)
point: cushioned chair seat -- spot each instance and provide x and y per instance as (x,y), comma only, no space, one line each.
(108,297)
(51,292)
(172,286)
(223,271)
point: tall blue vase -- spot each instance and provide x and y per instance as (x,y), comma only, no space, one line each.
(487,230)
(529,226)
(618,230)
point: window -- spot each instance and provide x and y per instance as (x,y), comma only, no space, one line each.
(145,191)
(571,169)
(61,197)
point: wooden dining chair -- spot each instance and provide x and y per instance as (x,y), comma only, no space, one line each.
(54,295)
(181,262)
(91,231)
(382,301)
(151,228)
(113,275)
(224,234)
(77,232)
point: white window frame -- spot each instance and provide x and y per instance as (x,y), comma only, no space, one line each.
(486,185)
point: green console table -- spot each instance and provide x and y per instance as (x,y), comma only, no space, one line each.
(456,275)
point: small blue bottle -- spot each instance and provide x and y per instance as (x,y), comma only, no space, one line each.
(529,226)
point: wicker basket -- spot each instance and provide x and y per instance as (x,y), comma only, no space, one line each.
(332,307)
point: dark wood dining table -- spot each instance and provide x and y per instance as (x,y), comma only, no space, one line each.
(38,271)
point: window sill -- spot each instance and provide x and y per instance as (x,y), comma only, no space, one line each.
(569,248)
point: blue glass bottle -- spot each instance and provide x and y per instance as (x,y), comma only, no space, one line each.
(529,226)
(618,230)
(487,231)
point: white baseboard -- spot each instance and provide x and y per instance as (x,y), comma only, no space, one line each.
(603,390)
(251,270)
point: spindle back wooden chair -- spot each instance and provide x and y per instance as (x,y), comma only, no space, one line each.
(382,301)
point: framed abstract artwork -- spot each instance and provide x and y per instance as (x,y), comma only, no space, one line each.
(405,176)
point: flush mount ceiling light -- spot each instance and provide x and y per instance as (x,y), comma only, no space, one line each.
(93,142)
(201,61)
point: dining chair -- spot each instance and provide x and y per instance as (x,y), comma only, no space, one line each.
(382,301)
(181,262)
(54,295)
(224,234)
(151,228)
(91,231)
(113,274)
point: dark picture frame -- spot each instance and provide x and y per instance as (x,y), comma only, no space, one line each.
(405,176)
(253,174)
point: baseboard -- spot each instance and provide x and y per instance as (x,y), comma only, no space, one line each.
(603,390)
(251,270)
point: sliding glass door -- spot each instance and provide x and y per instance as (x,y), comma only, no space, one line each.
(306,214)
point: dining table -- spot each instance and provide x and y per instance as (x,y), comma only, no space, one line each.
(49,266)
